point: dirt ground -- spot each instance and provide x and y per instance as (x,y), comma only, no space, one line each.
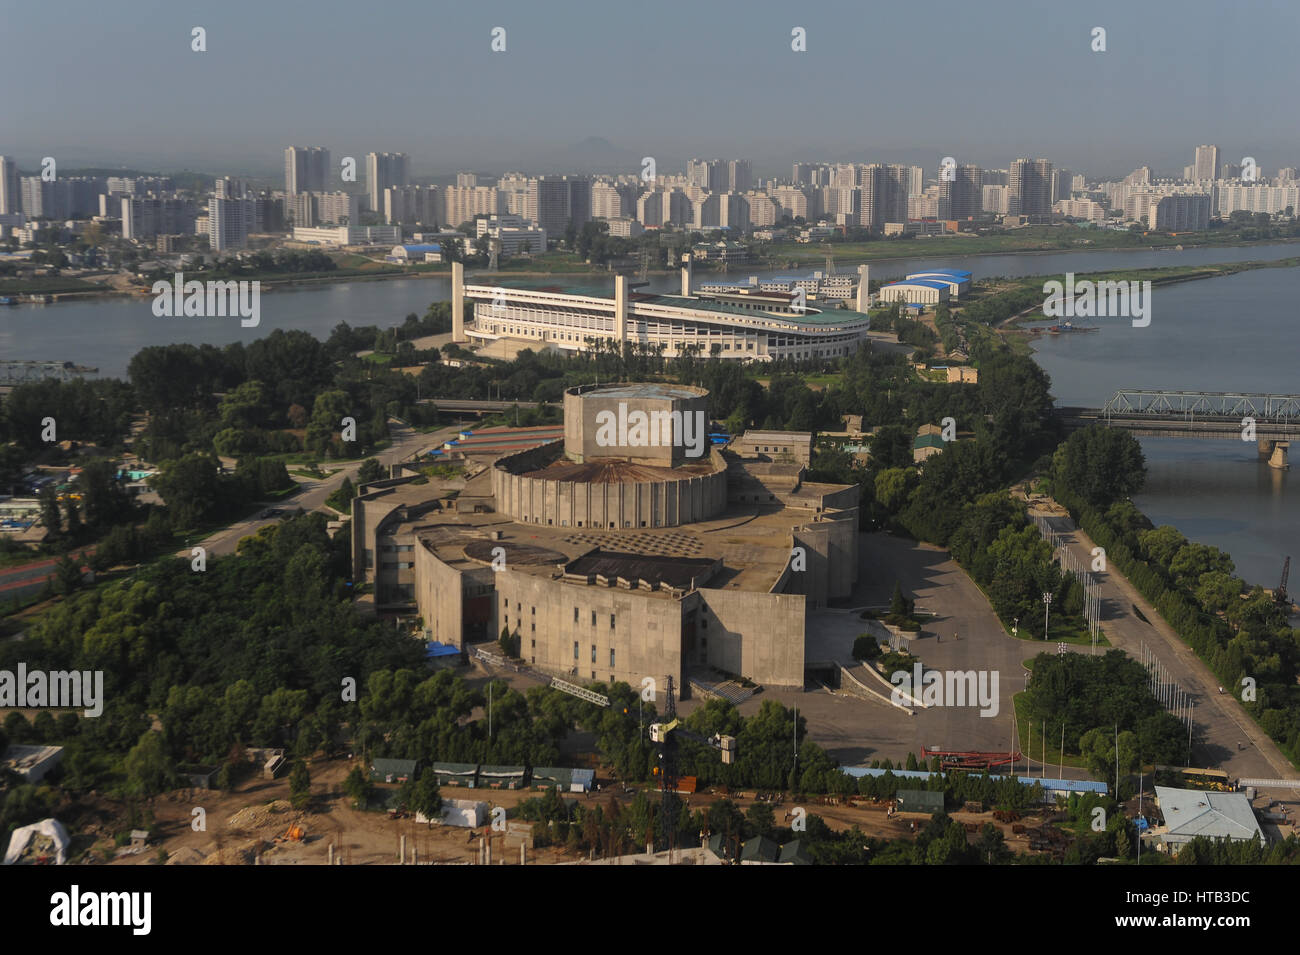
(246,822)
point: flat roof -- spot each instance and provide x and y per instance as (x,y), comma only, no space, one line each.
(955,273)
(798,437)
(676,572)
(643,389)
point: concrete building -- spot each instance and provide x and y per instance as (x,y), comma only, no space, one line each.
(1180,213)
(146,218)
(306,170)
(559,201)
(961,197)
(11,195)
(349,235)
(229,222)
(720,324)
(1030,188)
(337,208)
(463,203)
(32,763)
(513,233)
(423,205)
(383,171)
(779,446)
(1206,166)
(1086,209)
(597,557)
(995,199)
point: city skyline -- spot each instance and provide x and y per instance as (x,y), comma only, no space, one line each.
(471,106)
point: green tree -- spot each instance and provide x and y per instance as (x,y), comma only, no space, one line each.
(1101,465)
(370,470)
(299,785)
(422,795)
(50,518)
(357,786)
(148,770)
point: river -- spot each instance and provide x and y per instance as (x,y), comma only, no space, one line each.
(1223,334)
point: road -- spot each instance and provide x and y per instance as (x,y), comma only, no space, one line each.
(1228,738)
(312,494)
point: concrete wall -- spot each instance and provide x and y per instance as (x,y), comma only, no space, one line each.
(439,596)
(670,503)
(583,405)
(760,636)
(646,637)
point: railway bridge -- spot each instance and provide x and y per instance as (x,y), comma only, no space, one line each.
(1271,421)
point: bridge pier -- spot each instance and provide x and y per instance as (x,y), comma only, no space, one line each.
(1274,452)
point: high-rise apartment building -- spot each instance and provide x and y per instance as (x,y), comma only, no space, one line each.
(740,176)
(229,222)
(710,174)
(382,171)
(11,190)
(559,200)
(1029,190)
(962,197)
(146,218)
(306,170)
(423,205)
(1206,166)
(463,203)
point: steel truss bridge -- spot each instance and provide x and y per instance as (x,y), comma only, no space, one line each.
(17,372)
(1194,414)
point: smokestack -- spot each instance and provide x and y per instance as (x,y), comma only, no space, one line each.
(864,288)
(686,274)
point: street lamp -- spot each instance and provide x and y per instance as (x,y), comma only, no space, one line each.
(1047,609)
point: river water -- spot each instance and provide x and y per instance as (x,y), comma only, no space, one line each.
(1226,334)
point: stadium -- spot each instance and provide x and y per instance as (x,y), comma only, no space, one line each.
(719,321)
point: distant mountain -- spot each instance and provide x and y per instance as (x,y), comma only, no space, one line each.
(595,154)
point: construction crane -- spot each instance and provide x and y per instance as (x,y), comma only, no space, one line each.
(1280,595)
(666,734)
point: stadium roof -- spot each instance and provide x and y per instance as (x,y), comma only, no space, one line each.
(955,273)
(814,316)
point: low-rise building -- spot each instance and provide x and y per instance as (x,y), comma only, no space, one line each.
(1190,813)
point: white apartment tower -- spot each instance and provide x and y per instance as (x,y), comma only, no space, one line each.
(382,171)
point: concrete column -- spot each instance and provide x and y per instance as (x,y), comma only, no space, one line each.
(1279,457)
(686,274)
(331,854)
(864,286)
(458,302)
(401,850)
(620,308)
(1265,447)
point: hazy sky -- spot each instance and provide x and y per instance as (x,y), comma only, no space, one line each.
(96,83)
